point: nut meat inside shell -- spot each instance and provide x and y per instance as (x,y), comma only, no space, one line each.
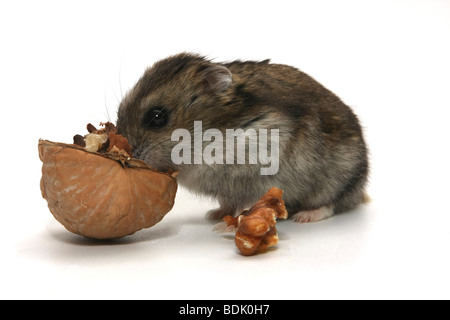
(102,196)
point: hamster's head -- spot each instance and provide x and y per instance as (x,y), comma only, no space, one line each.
(171,95)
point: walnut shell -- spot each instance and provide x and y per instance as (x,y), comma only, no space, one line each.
(102,196)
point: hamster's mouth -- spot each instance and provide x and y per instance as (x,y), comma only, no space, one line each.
(154,160)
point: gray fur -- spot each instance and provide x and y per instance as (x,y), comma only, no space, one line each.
(323,156)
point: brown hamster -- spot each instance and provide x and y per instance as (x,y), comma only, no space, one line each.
(322,157)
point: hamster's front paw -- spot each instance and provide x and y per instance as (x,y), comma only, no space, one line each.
(313,215)
(219,213)
(223,227)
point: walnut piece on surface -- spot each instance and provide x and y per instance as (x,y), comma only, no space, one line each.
(256,227)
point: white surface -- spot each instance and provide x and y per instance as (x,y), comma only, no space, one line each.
(62,63)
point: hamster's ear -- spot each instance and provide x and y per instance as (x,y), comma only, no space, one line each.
(217,78)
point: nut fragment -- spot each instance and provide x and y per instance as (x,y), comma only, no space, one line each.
(119,145)
(256,227)
(79,141)
(95,141)
(104,140)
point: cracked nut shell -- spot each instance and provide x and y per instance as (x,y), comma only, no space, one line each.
(102,196)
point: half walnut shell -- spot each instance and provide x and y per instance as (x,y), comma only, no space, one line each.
(103,196)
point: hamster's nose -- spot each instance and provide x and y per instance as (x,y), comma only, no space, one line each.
(137,152)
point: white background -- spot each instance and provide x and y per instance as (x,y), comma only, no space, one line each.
(63,64)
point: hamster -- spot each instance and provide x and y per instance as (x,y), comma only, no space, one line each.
(322,156)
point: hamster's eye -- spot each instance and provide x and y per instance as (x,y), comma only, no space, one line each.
(155,118)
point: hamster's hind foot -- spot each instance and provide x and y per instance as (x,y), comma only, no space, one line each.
(313,215)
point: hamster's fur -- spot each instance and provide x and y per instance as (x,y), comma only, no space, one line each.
(323,162)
